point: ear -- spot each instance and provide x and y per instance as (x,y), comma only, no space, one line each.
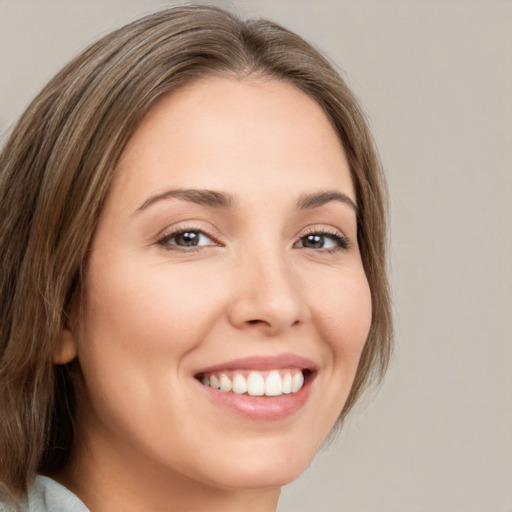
(67,348)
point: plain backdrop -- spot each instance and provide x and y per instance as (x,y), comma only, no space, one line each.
(436,80)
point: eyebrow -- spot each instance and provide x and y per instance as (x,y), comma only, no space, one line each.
(210,198)
(311,201)
(215,199)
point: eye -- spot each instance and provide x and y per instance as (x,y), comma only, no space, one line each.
(323,240)
(186,238)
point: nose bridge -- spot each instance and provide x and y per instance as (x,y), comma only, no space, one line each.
(268,293)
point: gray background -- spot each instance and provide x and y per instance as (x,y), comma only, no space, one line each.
(436,78)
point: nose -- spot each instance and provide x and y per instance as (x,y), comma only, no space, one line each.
(268,294)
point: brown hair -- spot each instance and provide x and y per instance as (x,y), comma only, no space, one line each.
(55,172)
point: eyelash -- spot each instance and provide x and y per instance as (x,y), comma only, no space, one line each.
(166,238)
(341,242)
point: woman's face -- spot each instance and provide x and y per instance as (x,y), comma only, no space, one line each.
(226,255)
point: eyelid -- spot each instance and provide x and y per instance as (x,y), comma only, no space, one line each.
(344,242)
(162,239)
(164,236)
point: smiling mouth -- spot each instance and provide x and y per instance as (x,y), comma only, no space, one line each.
(284,381)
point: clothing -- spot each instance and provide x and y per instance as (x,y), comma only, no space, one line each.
(47,495)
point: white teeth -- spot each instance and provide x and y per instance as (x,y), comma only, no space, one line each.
(297,382)
(273,384)
(287,383)
(239,384)
(225,383)
(255,384)
(214,382)
(269,383)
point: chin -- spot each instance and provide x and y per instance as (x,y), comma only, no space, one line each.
(259,478)
(266,468)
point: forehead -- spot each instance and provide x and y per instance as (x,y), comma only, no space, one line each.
(250,137)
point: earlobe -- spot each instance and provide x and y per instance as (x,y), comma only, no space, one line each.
(67,349)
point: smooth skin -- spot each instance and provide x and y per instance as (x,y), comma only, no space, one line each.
(177,284)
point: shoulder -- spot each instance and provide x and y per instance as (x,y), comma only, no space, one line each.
(47,495)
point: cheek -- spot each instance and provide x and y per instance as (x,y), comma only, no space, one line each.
(343,313)
(341,309)
(139,324)
(148,313)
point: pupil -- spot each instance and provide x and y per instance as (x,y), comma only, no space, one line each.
(315,241)
(189,238)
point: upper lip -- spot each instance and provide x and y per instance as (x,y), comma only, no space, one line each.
(262,363)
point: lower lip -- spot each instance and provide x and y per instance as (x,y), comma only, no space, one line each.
(262,408)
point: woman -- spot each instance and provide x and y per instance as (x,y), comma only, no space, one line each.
(193,287)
